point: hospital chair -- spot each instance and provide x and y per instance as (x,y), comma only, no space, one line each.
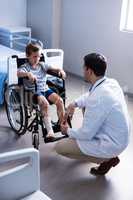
(21,182)
(21,115)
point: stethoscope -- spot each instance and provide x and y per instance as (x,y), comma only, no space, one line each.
(95,86)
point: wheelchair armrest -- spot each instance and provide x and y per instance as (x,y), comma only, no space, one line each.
(53,73)
(14,86)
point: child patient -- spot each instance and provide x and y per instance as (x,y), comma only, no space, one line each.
(36,71)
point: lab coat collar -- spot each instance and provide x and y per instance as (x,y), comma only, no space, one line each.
(98,82)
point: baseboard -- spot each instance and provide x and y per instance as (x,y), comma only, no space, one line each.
(128,94)
(75,75)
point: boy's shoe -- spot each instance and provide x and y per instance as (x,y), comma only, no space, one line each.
(49,139)
(54,139)
(105,166)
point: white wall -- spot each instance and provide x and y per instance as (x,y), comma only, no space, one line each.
(39,18)
(44,18)
(81,27)
(93,26)
(13,12)
(56,23)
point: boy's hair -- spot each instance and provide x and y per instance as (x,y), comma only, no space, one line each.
(32,47)
(96,62)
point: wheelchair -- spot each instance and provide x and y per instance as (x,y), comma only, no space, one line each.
(22,110)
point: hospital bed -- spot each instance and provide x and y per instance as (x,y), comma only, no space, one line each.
(5,53)
(20,175)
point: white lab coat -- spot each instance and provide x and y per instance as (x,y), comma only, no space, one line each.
(105,129)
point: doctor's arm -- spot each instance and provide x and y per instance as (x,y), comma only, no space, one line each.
(95,115)
(79,102)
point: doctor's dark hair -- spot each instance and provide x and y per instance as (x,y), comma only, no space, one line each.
(32,47)
(96,62)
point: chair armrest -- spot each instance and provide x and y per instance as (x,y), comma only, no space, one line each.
(53,73)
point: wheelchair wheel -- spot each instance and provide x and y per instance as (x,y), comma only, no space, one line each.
(16,113)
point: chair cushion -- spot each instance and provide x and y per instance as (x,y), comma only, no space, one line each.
(38,195)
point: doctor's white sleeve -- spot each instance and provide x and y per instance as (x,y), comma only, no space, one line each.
(82,100)
(95,114)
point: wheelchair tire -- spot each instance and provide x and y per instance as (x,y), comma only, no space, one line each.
(16,113)
(35,140)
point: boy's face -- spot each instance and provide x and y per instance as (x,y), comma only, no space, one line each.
(34,58)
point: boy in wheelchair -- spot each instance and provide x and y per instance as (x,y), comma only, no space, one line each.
(35,71)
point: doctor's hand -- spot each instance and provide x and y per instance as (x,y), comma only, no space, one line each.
(70,110)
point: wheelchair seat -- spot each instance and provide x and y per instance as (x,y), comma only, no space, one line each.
(23,113)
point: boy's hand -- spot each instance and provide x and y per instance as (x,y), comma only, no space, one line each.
(62,74)
(31,77)
(70,110)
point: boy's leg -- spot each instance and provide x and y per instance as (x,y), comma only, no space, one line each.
(44,107)
(68,147)
(57,100)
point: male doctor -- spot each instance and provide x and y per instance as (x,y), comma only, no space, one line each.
(104,133)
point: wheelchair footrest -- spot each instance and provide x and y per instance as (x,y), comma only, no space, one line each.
(56,127)
(54,139)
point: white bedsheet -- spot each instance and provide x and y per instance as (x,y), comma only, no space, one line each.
(5,52)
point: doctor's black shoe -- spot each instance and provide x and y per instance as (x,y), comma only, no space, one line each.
(105,166)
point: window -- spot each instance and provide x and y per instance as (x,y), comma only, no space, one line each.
(126,23)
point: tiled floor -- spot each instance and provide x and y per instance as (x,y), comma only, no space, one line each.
(66,179)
